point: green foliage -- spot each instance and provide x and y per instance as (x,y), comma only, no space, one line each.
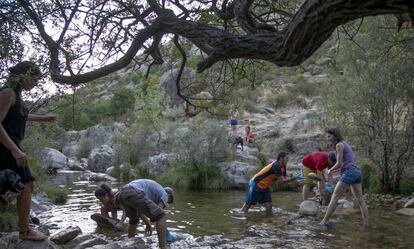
(126,172)
(57,195)
(262,158)
(370,178)
(194,175)
(122,102)
(286,144)
(406,186)
(280,99)
(204,142)
(8,217)
(372,100)
(84,149)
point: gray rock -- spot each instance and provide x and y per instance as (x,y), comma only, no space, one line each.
(101,177)
(80,239)
(307,147)
(409,204)
(65,235)
(100,159)
(342,203)
(91,242)
(160,163)
(132,243)
(76,165)
(308,208)
(236,172)
(27,244)
(168,84)
(95,136)
(406,211)
(53,159)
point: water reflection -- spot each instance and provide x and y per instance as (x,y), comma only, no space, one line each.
(215,221)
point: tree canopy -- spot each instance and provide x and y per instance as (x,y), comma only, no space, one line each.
(83,40)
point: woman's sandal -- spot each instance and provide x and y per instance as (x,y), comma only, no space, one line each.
(32,235)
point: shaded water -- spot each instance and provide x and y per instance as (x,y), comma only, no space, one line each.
(212,220)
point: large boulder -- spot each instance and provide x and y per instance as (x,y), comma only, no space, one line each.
(52,159)
(307,147)
(93,137)
(65,235)
(159,163)
(308,208)
(237,173)
(100,159)
(168,84)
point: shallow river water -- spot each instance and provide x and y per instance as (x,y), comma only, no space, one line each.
(212,220)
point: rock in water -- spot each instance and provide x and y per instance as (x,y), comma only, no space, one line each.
(66,235)
(104,221)
(308,208)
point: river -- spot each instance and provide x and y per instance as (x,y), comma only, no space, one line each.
(212,220)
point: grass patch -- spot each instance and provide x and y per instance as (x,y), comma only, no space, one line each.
(8,217)
(56,195)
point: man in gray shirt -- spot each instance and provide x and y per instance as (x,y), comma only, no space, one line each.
(145,198)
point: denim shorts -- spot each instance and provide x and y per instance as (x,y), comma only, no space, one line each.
(351,176)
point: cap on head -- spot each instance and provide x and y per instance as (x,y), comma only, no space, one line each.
(26,67)
(332,157)
(170,193)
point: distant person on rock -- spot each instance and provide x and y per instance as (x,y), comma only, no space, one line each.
(259,184)
(234,116)
(350,176)
(144,198)
(108,210)
(250,136)
(317,162)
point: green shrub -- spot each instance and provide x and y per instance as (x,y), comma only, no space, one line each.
(370,178)
(286,144)
(195,176)
(406,186)
(122,101)
(261,157)
(204,142)
(57,195)
(8,217)
(84,149)
(282,99)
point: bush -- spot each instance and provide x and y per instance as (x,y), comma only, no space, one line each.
(370,178)
(57,195)
(84,149)
(8,217)
(195,176)
(282,99)
(122,101)
(204,142)
(406,186)
(286,144)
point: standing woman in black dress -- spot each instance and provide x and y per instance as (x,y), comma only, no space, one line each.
(13,116)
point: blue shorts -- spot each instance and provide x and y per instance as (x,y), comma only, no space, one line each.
(233,121)
(351,176)
(258,195)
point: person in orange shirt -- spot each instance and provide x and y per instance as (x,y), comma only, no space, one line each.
(317,162)
(259,185)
